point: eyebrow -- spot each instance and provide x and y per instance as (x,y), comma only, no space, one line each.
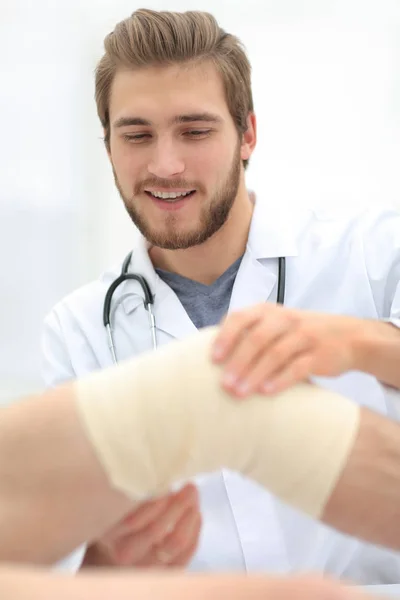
(195,117)
(204,117)
(126,121)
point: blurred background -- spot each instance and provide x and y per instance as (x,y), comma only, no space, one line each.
(326,78)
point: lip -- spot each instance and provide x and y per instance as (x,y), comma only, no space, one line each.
(172,206)
(168,191)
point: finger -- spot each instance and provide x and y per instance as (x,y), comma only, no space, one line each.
(186,555)
(278,357)
(188,493)
(186,497)
(177,548)
(167,521)
(232,329)
(254,345)
(185,532)
(139,518)
(299,370)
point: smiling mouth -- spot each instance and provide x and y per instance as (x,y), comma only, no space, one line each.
(170,196)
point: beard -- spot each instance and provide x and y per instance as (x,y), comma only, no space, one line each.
(211,219)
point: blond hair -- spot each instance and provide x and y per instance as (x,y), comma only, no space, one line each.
(149,38)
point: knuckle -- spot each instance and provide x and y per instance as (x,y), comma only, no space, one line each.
(257,336)
(309,335)
(277,357)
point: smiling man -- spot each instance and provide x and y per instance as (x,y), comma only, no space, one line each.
(173,94)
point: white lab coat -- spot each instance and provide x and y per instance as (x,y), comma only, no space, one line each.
(335,264)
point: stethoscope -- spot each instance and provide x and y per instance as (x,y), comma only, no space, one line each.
(148,299)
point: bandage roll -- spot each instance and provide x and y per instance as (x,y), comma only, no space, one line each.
(163,418)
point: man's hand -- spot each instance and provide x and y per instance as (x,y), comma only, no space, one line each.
(268,348)
(159,533)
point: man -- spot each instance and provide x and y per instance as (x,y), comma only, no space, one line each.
(174,97)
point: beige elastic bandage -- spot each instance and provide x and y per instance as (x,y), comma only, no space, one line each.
(164,418)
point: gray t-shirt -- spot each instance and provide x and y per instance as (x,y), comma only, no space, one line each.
(206,305)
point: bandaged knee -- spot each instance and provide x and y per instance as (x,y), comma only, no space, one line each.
(163,418)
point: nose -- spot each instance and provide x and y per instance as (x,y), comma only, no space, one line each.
(165,161)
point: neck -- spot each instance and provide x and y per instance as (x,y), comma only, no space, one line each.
(206,262)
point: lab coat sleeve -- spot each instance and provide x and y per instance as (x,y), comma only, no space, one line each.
(57,369)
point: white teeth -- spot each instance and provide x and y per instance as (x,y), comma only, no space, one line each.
(169,195)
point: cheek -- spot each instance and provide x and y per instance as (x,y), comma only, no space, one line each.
(125,163)
(209,163)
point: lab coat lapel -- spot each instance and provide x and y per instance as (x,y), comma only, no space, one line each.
(272,234)
(255,282)
(171,317)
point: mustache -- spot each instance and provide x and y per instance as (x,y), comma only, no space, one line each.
(168,184)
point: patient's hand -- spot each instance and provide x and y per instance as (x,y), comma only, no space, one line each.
(159,533)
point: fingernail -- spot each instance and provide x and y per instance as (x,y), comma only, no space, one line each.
(229,379)
(268,387)
(242,388)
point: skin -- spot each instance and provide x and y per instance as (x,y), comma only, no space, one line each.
(24,584)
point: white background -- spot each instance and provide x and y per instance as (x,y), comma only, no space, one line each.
(326,78)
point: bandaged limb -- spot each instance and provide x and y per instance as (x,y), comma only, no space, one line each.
(28,584)
(165,418)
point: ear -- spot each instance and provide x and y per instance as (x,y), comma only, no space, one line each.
(249,138)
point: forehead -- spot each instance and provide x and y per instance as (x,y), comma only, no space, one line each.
(161,93)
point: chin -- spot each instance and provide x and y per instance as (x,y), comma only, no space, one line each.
(177,241)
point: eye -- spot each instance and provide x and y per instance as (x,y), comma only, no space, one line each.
(198,133)
(136,137)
